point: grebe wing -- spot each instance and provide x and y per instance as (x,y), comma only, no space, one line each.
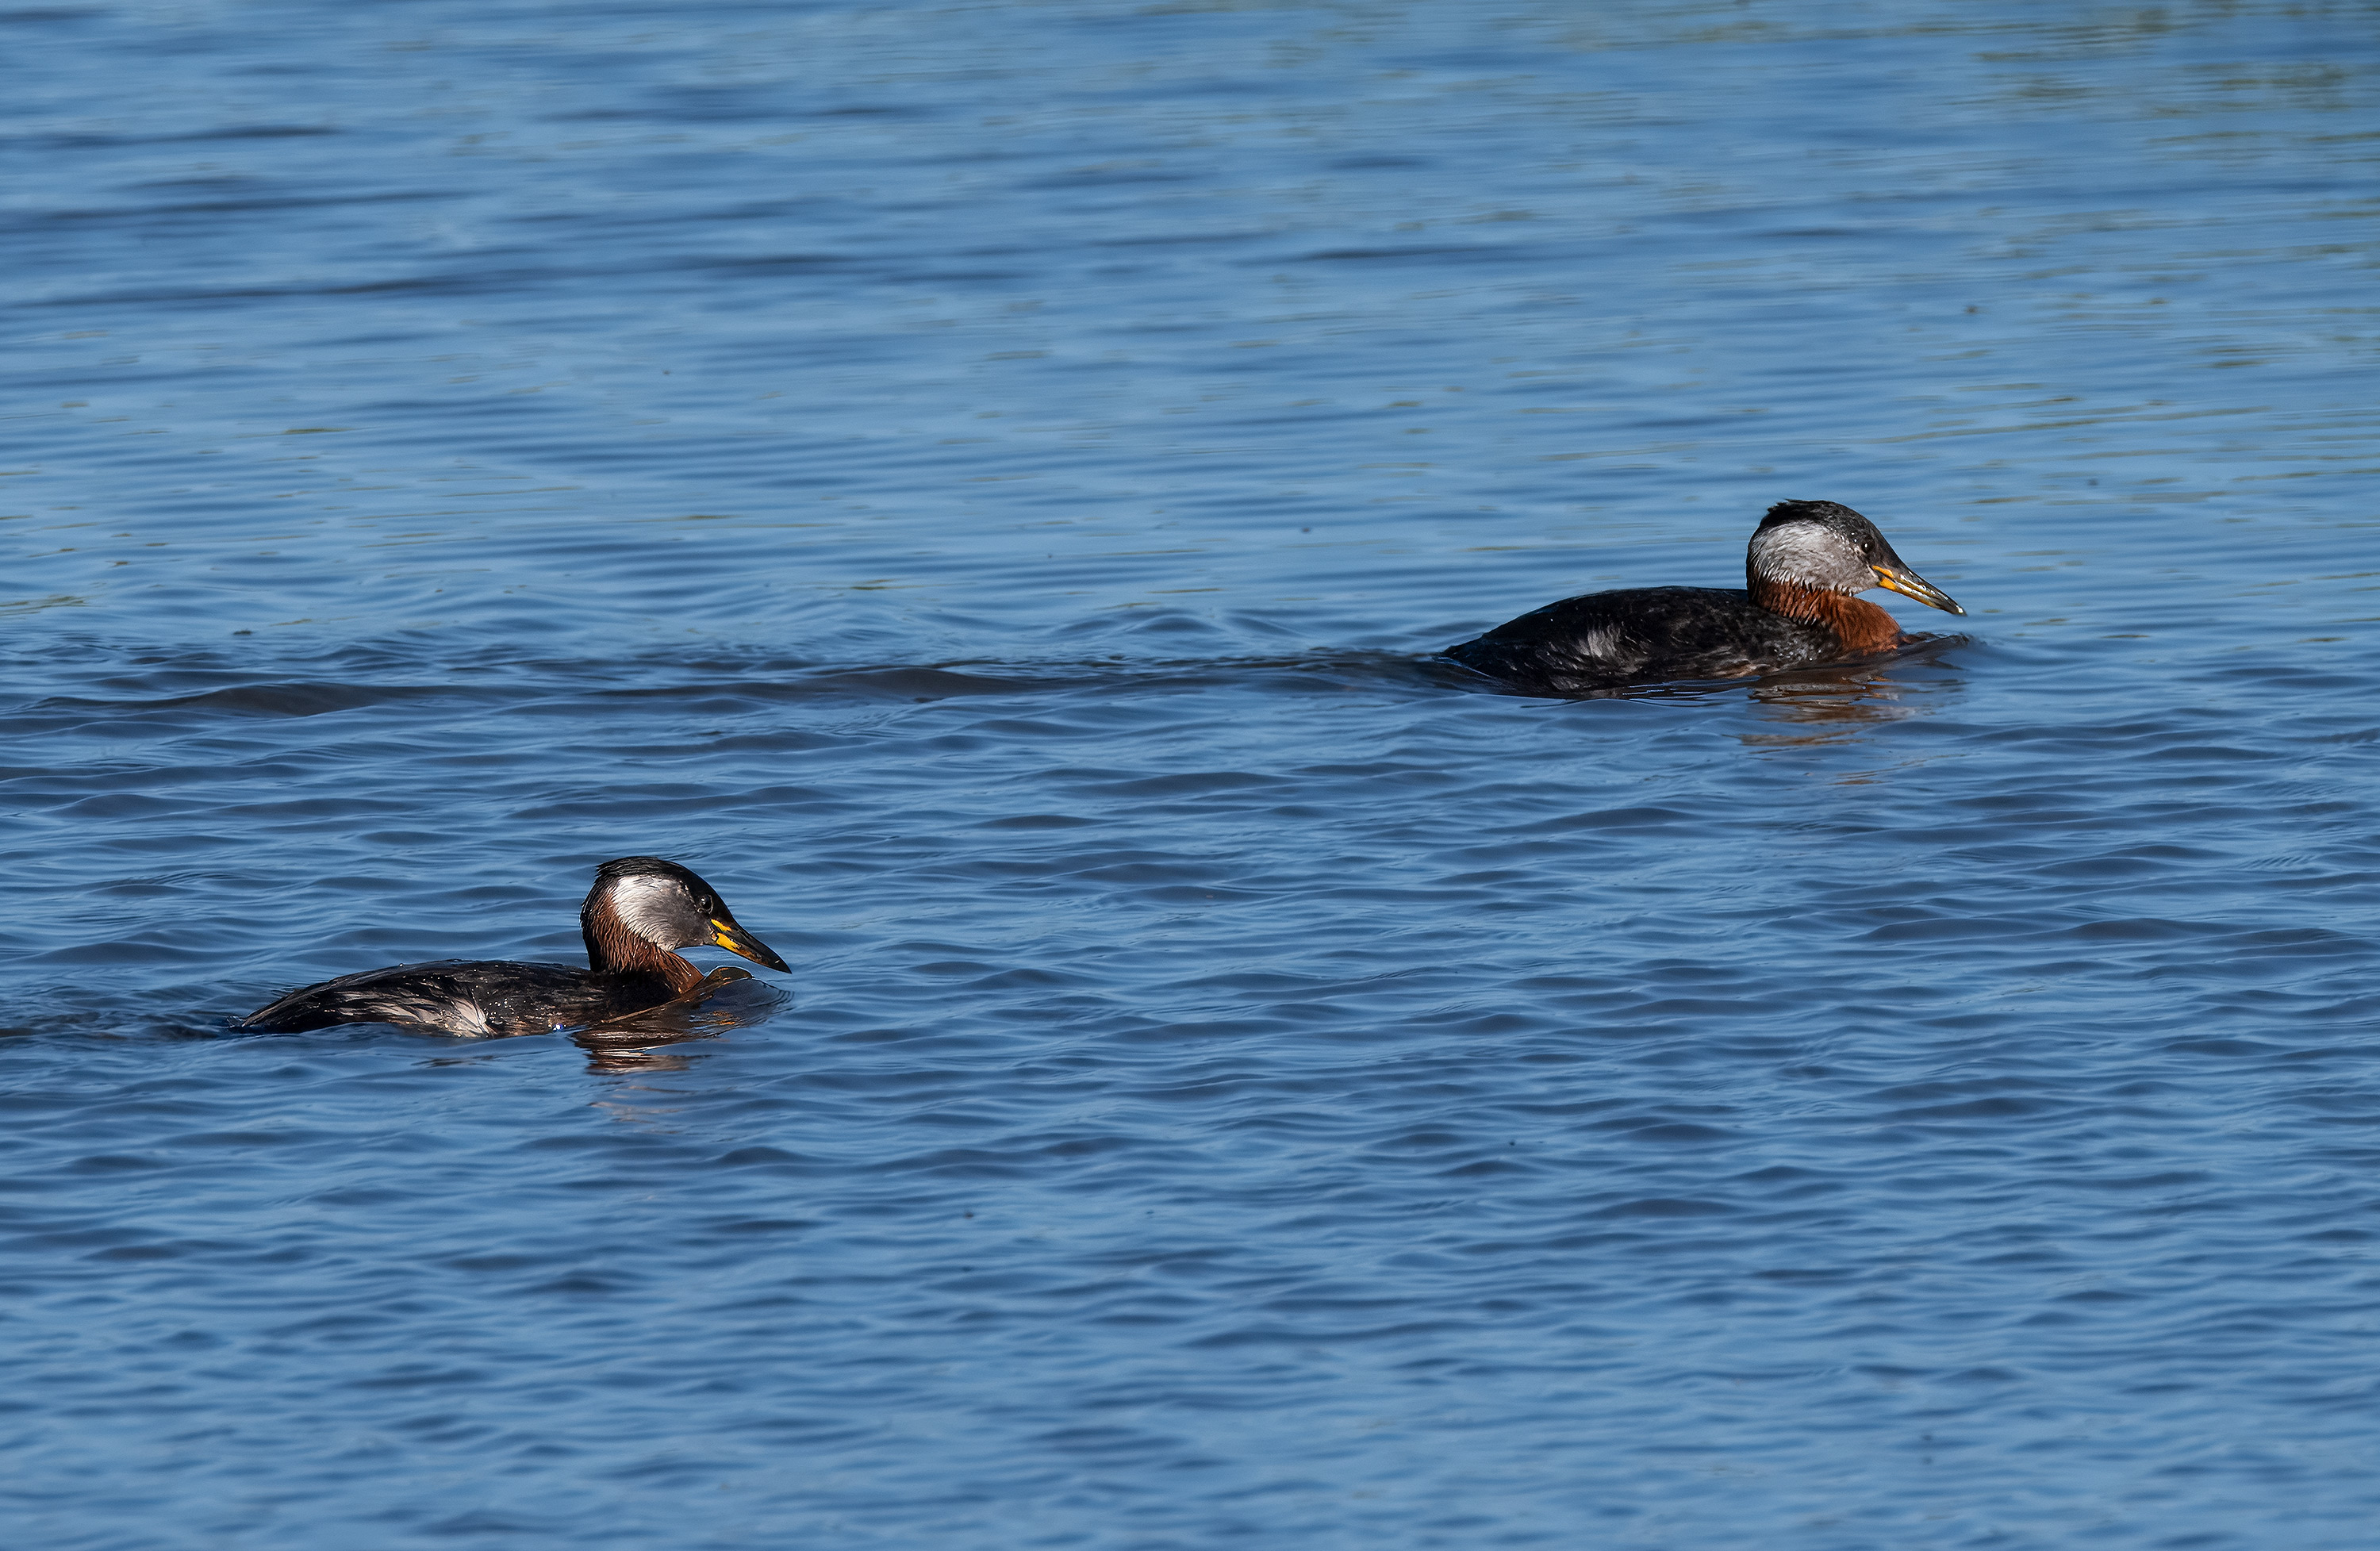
(473,998)
(1671,632)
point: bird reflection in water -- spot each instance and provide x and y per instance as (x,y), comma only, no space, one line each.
(1836,700)
(727,999)
(1836,705)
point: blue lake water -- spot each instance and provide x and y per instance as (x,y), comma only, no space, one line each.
(980,484)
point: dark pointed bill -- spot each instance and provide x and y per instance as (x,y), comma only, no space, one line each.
(1909,584)
(735,939)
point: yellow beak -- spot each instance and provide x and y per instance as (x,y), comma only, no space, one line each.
(1909,584)
(726,934)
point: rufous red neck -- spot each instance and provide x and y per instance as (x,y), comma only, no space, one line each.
(612,948)
(1858,623)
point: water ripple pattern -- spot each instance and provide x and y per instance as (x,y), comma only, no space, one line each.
(982,484)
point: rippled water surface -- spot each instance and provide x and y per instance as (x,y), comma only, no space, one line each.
(982,483)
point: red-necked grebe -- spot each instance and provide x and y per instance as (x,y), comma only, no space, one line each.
(640,908)
(1806,561)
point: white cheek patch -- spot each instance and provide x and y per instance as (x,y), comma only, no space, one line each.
(653,908)
(1807,554)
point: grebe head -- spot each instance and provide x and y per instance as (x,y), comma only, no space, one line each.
(665,904)
(1824,544)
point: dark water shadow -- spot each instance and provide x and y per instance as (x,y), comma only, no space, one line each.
(1312,672)
(727,999)
(1856,691)
(363,680)
(273,698)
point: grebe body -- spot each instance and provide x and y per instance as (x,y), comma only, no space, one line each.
(640,909)
(1803,568)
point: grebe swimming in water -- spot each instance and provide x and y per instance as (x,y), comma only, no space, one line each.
(639,909)
(1806,561)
